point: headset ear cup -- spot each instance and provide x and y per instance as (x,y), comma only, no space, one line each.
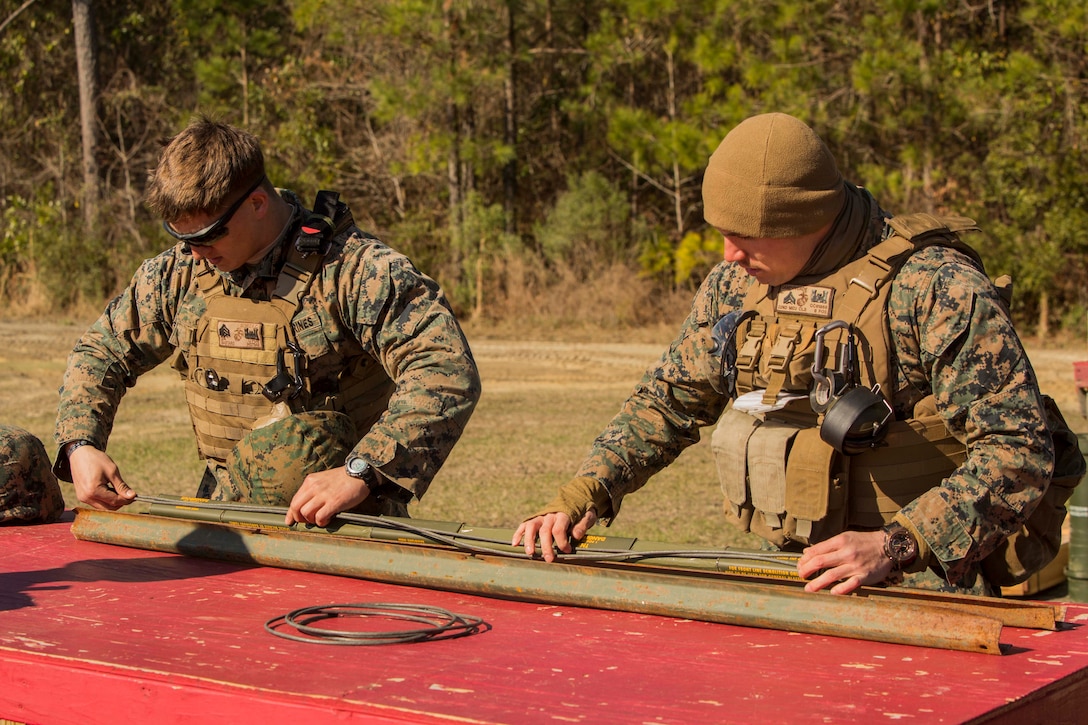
(856,421)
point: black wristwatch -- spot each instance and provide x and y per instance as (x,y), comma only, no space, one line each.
(900,546)
(359,468)
(71,446)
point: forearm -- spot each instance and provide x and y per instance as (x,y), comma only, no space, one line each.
(662,417)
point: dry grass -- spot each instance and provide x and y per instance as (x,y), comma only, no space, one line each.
(543,404)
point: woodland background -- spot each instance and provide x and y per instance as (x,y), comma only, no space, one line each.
(543,158)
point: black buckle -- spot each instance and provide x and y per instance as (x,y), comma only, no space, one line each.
(724,336)
(318,228)
(282,385)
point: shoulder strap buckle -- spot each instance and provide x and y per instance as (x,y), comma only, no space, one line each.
(329,217)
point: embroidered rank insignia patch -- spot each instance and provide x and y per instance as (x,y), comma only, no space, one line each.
(800,300)
(243,335)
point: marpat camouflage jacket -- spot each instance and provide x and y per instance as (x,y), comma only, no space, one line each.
(952,337)
(371,301)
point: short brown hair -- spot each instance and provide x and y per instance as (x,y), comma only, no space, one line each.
(201,167)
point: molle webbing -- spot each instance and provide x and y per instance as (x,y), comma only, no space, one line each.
(802,495)
(811,491)
(775,348)
(916,455)
(238,347)
(364,394)
(786,340)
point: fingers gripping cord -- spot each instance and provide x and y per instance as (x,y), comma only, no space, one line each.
(461,540)
(439,624)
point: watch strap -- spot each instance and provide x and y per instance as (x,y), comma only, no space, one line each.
(375,483)
(71,446)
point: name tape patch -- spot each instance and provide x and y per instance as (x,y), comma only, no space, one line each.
(305,323)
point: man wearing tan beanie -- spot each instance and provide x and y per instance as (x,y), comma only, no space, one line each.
(875,408)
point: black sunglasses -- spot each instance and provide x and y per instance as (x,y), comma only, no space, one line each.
(215,230)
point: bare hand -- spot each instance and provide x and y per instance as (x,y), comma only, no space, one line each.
(325,494)
(97,480)
(852,558)
(554,531)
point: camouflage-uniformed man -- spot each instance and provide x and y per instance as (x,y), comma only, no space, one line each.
(29,492)
(322,370)
(969,455)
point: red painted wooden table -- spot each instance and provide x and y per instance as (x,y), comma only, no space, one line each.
(94,633)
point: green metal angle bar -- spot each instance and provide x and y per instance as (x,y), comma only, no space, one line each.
(771,606)
(740,562)
(731,561)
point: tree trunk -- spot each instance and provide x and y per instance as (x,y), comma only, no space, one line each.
(453,125)
(678,204)
(87,70)
(453,174)
(1043,330)
(479,307)
(510,169)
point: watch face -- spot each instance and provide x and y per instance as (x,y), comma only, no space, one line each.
(357,466)
(901,546)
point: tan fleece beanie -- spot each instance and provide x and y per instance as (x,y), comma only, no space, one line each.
(772,176)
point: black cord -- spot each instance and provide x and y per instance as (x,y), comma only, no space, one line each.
(440,624)
(458,540)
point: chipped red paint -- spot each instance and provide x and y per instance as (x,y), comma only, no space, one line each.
(96,633)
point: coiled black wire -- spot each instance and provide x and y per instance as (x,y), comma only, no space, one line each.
(440,624)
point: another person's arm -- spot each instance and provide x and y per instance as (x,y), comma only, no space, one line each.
(131,337)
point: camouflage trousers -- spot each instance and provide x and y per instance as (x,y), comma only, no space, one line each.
(270,463)
(29,492)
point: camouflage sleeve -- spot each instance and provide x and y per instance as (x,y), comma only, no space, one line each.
(953,337)
(402,318)
(131,337)
(673,401)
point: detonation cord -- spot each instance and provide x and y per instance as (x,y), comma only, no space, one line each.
(458,540)
(439,624)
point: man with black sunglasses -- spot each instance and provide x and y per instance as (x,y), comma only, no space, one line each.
(323,372)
